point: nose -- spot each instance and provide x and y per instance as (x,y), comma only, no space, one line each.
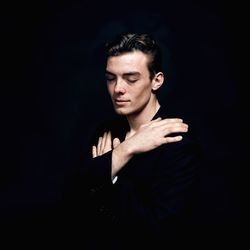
(119,87)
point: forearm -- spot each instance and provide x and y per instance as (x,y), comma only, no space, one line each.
(120,157)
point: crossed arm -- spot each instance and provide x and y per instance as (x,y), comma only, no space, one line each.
(148,137)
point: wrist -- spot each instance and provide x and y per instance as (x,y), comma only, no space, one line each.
(120,156)
(126,148)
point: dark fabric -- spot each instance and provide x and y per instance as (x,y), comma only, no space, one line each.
(151,202)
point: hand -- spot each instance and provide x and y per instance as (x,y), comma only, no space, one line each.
(154,134)
(104,144)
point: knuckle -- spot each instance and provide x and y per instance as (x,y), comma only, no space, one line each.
(169,130)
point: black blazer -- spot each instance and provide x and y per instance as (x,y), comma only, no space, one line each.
(152,199)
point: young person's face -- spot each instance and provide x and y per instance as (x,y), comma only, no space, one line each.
(128,82)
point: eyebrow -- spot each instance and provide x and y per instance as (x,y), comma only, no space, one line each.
(132,73)
(109,73)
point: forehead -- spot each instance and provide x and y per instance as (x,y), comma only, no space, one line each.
(131,61)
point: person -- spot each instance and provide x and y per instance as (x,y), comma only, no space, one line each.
(140,173)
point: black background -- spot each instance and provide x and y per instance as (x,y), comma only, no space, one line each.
(54,94)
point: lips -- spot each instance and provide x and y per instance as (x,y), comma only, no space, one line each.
(120,101)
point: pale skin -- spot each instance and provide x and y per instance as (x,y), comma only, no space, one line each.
(133,95)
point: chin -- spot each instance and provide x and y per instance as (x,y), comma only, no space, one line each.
(121,111)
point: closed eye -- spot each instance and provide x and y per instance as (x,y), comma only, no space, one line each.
(110,77)
(131,80)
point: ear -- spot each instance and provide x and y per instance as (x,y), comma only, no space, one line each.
(157,81)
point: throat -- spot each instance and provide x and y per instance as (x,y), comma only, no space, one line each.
(141,118)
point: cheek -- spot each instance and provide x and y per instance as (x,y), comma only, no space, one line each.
(110,89)
(143,93)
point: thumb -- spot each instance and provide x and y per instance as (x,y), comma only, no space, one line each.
(116,142)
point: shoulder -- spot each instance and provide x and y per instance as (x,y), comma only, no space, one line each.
(180,159)
(190,141)
(183,152)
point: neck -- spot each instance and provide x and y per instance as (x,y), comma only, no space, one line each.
(143,116)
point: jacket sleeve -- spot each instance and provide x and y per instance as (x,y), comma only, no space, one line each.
(97,172)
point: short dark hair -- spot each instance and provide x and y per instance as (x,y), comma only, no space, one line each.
(129,42)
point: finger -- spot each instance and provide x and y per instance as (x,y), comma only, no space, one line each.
(99,146)
(168,121)
(183,127)
(172,130)
(108,142)
(103,142)
(116,142)
(173,120)
(94,154)
(155,120)
(173,139)
(179,125)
